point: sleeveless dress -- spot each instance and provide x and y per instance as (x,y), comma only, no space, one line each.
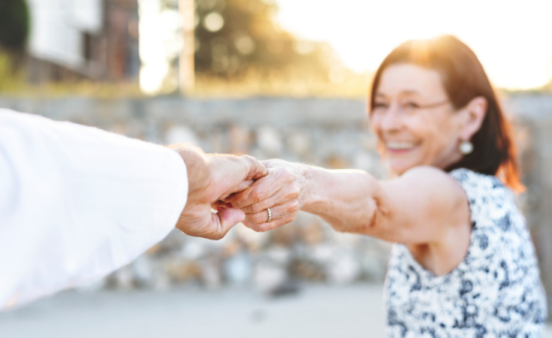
(494,292)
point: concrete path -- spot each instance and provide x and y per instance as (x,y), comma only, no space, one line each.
(317,311)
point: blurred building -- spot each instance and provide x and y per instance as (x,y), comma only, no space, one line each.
(83,39)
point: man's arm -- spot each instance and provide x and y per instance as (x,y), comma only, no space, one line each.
(77,203)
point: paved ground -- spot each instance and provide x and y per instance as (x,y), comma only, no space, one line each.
(317,311)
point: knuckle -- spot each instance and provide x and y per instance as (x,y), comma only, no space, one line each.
(288,194)
(251,226)
(249,158)
(255,208)
(281,223)
(257,229)
(292,207)
(256,218)
(261,228)
(257,195)
(296,189)
(236,201)
(288,176)
(266,228)
(248,224)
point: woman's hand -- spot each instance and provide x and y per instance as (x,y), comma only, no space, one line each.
(283,190)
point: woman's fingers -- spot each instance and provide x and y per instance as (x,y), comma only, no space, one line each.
(262,216)
(280,191)
(280,197)
(284,212)
(265,226)
(260,190)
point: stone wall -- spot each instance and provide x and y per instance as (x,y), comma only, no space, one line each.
(328,133)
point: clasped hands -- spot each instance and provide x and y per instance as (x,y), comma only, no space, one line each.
(240,189)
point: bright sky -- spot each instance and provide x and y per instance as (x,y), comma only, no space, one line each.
(513,39)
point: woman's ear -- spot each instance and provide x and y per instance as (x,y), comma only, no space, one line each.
(474,113)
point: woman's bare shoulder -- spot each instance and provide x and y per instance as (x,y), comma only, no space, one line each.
(425,201)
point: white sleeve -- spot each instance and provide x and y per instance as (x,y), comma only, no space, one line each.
(77,203)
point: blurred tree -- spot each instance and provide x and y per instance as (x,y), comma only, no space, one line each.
(14,32)
(11,76)
(237,36)
(14,25)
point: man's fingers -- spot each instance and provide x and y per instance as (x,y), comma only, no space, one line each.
(244,185)
(225,220)
(227,174)
(272,163)
(200,221)
(256,169)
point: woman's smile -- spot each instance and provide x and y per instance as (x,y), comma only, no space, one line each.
(400,147)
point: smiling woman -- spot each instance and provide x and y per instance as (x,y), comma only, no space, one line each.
(463,264)
(454,80)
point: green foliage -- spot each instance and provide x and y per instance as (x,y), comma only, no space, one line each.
(249,40)
(14,24)
(11,79)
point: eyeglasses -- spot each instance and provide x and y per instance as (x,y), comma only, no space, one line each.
(406,107)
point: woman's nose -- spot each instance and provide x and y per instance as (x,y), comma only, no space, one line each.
(392,119)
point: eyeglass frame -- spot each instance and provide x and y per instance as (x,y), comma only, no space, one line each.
(420,107)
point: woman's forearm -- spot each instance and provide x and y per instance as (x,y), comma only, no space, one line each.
(346,199)
(415,208)
(349,200)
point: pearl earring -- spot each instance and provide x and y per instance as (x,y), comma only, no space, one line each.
(466,147)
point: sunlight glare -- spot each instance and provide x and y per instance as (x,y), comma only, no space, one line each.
(213,22)
(512,39)
(152,76)
(160,41)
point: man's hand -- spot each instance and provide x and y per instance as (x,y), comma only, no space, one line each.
(211,179)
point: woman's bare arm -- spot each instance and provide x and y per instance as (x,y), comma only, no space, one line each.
(424,205)
(421,206)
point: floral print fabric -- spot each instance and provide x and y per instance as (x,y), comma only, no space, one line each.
(494,292)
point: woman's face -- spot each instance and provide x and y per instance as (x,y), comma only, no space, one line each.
(413,119)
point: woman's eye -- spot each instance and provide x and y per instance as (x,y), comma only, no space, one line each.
(411,105)
(380,105)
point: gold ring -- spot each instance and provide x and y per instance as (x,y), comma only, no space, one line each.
(269,215)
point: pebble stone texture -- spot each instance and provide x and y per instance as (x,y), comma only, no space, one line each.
(331,133)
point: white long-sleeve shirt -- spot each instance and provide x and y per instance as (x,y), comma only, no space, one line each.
(77,203)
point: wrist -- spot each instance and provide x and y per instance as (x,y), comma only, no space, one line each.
(197,167)
(310,189)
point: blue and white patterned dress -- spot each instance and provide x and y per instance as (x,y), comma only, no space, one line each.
(494,292)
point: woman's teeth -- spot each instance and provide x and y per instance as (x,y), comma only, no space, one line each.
(400,145)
